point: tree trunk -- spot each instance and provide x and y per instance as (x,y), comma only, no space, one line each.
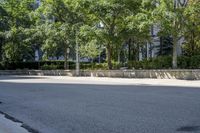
(1,44)
(174,60)
(109,57)
(66,65)
(161,45)
(118,56)
(137,52)
(193,50)
(129,50)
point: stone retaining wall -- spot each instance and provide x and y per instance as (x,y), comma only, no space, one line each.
(159,74)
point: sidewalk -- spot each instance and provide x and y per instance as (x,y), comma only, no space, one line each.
(100,81)
(8,126)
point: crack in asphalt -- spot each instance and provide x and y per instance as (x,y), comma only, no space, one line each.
(25,126)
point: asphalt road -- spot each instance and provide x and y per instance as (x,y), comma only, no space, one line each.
(90,108)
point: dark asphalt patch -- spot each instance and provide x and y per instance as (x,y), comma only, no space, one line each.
(189,129)
(28,128)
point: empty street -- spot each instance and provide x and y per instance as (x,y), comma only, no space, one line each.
(101,105)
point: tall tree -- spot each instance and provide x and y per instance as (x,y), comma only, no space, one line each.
(139,27)
(62,22)
(169,15)
(107,21)
(192,28)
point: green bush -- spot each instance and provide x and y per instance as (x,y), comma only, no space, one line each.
(183,62)
(116,65)
(49,67)
(155,63)
(195,62)
(161,62)
(94,66)
(34,65)
(101,66)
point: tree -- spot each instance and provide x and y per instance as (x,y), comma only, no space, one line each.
(106,19)
(138,29)
(62,23)
(16,15)
(3,28)
(169,15)
(192,28)
(16,48)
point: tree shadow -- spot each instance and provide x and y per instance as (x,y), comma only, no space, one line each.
(21,77)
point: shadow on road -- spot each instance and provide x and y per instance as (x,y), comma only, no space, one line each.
(21,77)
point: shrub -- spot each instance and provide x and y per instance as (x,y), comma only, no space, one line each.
(161,62)
(101,66)
(49,67)
(195,62)
(155,63)
(116,65)
(183,62)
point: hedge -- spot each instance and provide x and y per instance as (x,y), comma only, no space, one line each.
(46,65)
(162,62)
(165,62)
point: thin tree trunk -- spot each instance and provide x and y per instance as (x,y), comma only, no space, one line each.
(66,66)
(118,56)
(129,50)
(174,60)
(1,44)
(175,43)
(137,52)
(193,50)
(161,45)
(109,57)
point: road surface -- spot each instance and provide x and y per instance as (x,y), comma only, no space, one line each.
(92,105)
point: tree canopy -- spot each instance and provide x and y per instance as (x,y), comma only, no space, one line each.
(115,27)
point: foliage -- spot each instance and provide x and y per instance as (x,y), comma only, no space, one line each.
(162,62)
(121,27)
(90,49)
(192,28)
(106,21)
(16,15)
(49,67)
(195,62)
(61,25)
(16,49)
(169,15)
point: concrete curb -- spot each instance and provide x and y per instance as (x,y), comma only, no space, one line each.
(9,124)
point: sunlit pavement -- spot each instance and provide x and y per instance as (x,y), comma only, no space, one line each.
(102,105)
(99,81)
